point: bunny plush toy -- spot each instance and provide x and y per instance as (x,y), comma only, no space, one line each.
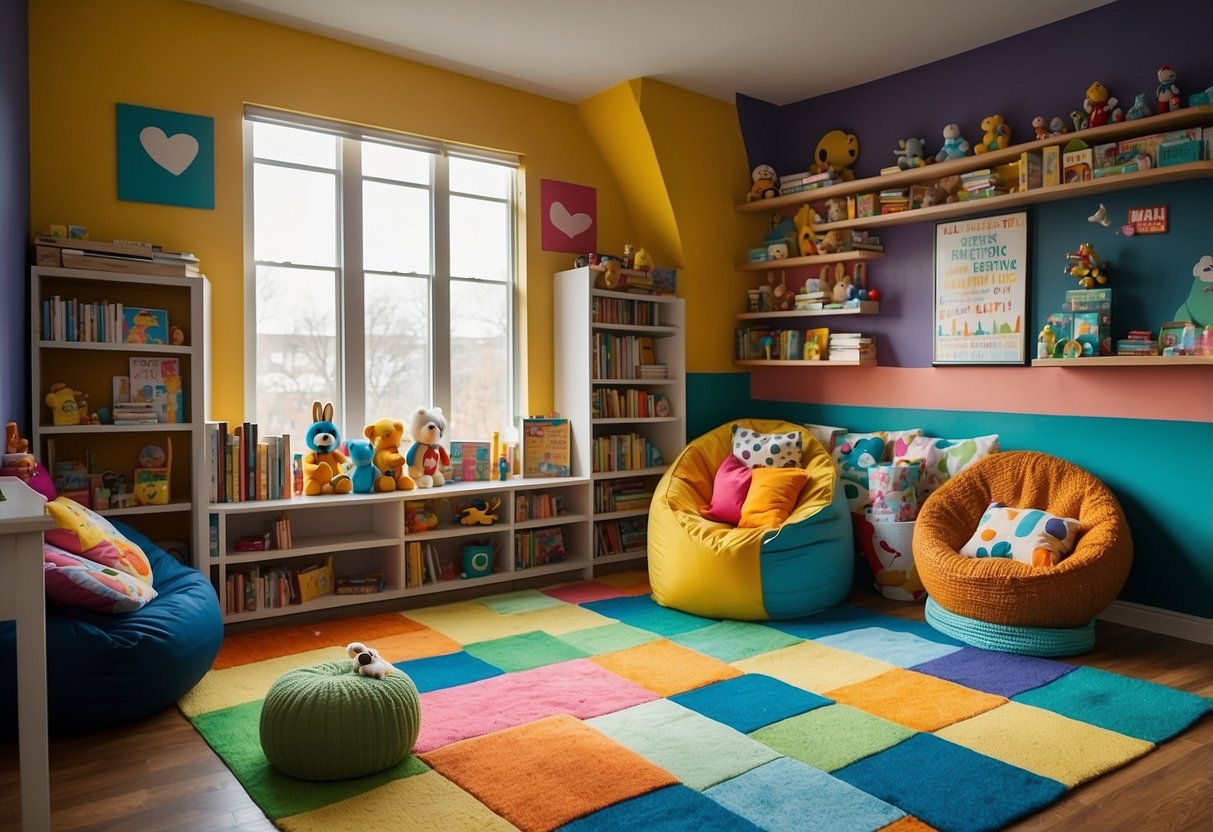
(324,461)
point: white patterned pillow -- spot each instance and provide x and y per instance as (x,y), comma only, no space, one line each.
(1027,535)
(941,459)
(767,450)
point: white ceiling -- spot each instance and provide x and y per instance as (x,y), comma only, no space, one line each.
(774,50)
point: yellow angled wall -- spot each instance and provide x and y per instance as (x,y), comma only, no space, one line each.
(87,56)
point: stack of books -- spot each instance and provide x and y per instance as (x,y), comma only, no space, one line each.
(812,300)
(865,241)
(893,200)
(650,371)
(135,413)
(1139,342)
(853,347)
(795,183)
(978,184)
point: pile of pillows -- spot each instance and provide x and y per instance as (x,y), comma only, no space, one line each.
(758,484)
(89,564)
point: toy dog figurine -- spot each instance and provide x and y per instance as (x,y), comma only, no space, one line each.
(367,660)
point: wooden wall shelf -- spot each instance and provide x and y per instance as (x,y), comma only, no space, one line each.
(1125,361)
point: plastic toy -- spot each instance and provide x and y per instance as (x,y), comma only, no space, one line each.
(643,261)
(836,152)
(13,441)
(363,473)
(367,661)
(954,144)
(629,255)
(385,436)
(477,560)
(997,134)
(426,455)
(1100,106)
(1046,342)
(1086,266)
(420,517)
(1057,126)
(765,185)
(1080,121)
(911,153)
(1139,108)
(1100,216)
(1040,128)
(1168,92)
(480,512)
(323,463)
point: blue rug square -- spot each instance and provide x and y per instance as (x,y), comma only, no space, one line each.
(1002,674)
(750,702)
(901,649)
(951,787)
(643,612)
(672,809)
(847,617)
(447,671)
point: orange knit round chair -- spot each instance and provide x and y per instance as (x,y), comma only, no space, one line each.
(1007,605)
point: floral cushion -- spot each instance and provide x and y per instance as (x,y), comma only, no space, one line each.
(75,581)
(941,459)
(1030,536)
(767,450)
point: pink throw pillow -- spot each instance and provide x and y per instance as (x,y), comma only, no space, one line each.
(729,491)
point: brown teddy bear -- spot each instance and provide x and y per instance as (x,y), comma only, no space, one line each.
(385,436)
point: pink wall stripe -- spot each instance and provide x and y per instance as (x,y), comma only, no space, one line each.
(1182,394)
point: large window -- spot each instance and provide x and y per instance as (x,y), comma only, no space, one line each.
(382,278)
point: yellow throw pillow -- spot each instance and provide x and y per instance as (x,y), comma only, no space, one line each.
(772,496)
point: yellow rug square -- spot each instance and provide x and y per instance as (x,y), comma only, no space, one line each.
(915,700)
(423,801)
(814,667)
(665,668)
(467,622)
(563,618)
(1045,743)
(631,582)
(249,682)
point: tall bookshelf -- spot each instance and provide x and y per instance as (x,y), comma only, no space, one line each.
(627,426)
(89,366)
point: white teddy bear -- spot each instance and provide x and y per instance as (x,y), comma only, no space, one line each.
(426,455)
(367,660)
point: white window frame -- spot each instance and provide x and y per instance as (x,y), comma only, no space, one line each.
(349,267)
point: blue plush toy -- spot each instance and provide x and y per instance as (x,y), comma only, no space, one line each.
(954,144)
(324,461)
(364,474)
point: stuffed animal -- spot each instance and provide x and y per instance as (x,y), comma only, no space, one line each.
(64,403)
(324,463)
(836,152)
(367,661)
(830,243)
(1168,92)
(911,153)
(950,185)
(1100,106)
(954,144)
(363,473)
(843,288)
(997,134)
(426,455)
(836,210)
(765,184)
(805,235)
(385,435)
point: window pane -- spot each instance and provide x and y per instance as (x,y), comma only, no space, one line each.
(481,178)
(288,144)
(397,347)
(386,161)
(295,214)
(480,239)
(296,348)
(480,359)
(396,228)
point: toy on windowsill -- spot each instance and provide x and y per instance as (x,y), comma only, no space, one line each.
(361,467)
(323,463)
(954,144)
(1086,266)
(837,151)
(1168,92)
(1100,106)
(385,435)
(911,153)
(997,134)
(765,184)
(426,456)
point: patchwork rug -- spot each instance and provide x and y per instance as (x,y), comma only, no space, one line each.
(588,707)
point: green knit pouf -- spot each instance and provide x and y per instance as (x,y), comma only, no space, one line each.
(327,722)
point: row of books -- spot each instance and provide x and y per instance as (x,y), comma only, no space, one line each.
(617,356)
(622,311)
(538,547)
(766,344)
(254,588)
(244,466)
(101,322)
(624,452)
(363,583)
(421,564)
(629,403)
(615,537)
(622,495)
(537,505)
(794,183)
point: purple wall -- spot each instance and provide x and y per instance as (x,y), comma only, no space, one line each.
(1045,71)
(14,212)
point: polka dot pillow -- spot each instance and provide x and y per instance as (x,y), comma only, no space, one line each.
(767,450)
(1029,536)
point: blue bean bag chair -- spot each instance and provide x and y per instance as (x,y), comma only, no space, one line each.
(104,669)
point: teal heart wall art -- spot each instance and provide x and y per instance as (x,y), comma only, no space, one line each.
(165,157)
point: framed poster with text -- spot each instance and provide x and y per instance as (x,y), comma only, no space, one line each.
(981,290)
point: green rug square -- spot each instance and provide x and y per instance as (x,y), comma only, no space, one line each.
(731,641)
(524,651)
(832,737)
(235,735)
(523,601)
(608,638)
(700,752)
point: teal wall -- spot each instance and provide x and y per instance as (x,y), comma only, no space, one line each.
(1160,471)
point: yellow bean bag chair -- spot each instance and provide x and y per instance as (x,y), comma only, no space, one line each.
(700,566)
(1001,603)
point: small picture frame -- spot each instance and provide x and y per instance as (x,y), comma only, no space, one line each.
(1170,335)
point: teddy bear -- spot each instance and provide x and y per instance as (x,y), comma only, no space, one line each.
(836,152)
(950,185)
(954,144)
(324,462)
(764,186)
(385,435)
(830,243)
(836,210)
(426,455)
(367,660)
(363,473)
(997,134)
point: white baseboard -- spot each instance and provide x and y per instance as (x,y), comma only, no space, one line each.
(1165,622)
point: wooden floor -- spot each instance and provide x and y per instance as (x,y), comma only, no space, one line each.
(158,774)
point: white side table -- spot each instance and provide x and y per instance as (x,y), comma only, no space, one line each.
(23,598)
